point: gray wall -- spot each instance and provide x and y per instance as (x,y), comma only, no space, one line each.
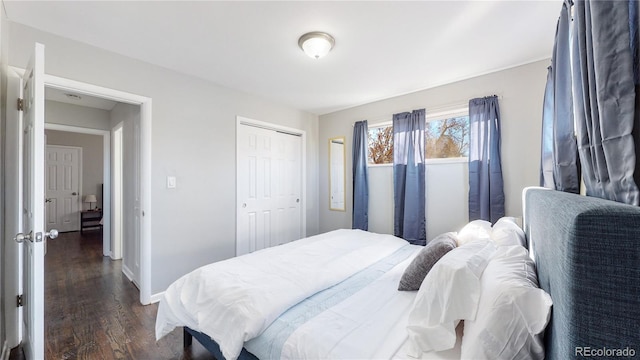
(92,147)
(128,115)
(92,160)
(521,90)
(447,207)
(75,115)
(193,138)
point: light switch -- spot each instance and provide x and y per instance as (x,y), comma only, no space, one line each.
(171,182)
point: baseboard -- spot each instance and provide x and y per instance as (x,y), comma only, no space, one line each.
(128,273)
(156,297)
(5,351)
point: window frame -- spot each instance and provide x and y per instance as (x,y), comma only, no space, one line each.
(436,116)
(379,125)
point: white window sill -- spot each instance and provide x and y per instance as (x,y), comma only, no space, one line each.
(445,161)
(456,160)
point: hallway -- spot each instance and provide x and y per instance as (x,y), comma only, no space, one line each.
(92,311)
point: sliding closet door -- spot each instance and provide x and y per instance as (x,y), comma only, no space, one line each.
(287,188)
(269,188)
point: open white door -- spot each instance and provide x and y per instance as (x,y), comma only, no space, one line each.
(33,236)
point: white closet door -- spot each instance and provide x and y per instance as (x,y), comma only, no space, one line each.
(286,178)
(269,188)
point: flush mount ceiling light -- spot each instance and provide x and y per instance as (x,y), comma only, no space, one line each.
(316,44)
(73,96)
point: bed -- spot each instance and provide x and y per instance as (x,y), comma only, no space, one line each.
(585,249)
(587,252)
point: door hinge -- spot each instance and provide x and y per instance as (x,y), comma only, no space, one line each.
(20,105)
(20,299)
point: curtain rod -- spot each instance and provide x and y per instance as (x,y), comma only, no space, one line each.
(433,110)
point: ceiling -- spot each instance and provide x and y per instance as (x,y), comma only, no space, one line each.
(383,49)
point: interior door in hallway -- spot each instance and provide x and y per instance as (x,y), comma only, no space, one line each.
(269,188)
(63,188)
(32,235)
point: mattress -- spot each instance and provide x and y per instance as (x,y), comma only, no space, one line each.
(361,315)
(253,290)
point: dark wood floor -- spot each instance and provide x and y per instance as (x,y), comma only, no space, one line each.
(92,311)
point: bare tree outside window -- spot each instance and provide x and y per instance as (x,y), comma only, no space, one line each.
(446,138)
(381,145)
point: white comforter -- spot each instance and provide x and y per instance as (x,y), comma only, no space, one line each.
(235,300)
(370,324)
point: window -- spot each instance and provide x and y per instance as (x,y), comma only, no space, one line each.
(381,145)
(446,137)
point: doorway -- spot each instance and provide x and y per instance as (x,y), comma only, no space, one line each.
(143,225)
(13,218)
(100,163)
(110,179)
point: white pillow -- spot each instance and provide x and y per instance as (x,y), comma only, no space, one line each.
(449,293)
(475,230)
(513,312)
(507,232)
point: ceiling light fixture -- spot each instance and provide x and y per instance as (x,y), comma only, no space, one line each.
(73,96)
(316,44)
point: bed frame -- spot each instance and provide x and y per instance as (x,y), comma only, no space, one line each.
(587,254)
(211,345)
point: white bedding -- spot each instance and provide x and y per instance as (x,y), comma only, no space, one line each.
(451,354)
(215,296)
(370,324)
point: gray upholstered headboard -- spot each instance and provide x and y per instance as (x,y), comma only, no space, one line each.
(587,253)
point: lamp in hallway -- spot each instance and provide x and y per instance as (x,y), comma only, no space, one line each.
(90,199)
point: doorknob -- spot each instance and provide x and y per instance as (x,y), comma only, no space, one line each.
(20,237)
(48,200)
(74,193)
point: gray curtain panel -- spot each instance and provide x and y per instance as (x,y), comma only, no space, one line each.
(604,98)
(634,43)
(360,214)
(634,38)
(560,169)
(409,176)
(486,193)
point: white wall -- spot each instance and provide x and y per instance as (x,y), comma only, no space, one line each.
(92,158)
(521,89)
(446,206)
(193,138)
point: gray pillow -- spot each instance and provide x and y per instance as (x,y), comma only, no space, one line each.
(429,256)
